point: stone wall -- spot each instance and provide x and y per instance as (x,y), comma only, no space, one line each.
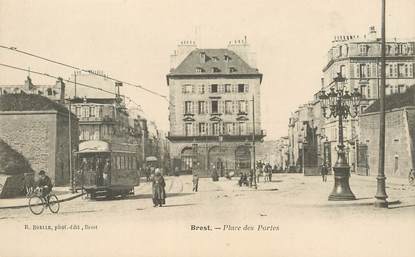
(399,155)
(42,138)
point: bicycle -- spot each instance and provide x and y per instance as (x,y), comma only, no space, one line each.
(411,177)
(37,203)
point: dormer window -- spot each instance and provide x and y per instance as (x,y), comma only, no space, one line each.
(199,70)
(227,58)
(363,49)
(232,70)
(215,59)
(215,69)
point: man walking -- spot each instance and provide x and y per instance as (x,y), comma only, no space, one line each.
(324,171)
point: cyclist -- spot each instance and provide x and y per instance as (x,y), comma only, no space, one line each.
(45,183)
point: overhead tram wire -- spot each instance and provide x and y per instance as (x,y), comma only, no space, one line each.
(66,80)
(88,71)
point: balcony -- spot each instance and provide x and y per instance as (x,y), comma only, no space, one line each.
(247,136)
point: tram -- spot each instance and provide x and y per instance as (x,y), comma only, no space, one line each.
(106,171)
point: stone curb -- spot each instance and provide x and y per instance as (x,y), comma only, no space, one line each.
(26,205)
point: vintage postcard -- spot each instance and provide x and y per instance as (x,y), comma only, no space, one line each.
(199,128)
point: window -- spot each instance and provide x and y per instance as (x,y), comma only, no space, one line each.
(202,128)
(201,89)
(215,59)
(78,111)
(92,111)
(85,111)
(232,70)
(188,107)
(202,107)
(228,88)
(242,128)
(227,58)
(363,49)
(228,107)
(229,128)
(242,106)
(49,91)
(241,88)
(186,89)
(215,128)
(401,70)
(199,70)
(215,106)
(214,88)
(363,91)
(215,69)
(363,71)
(188,129)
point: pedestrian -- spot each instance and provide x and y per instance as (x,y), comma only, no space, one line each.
(324,171)
(195,181)
(158,189)
(269,172)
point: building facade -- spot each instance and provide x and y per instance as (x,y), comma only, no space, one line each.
(214,107)
(358,60)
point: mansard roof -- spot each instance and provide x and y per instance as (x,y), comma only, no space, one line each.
(213,61)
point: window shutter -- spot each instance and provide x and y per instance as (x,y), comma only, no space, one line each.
(209,107)
(246,106)
(194,129)
(246,88)
(374,73)
(352,71)
(193,89)
(357,71)
(184,107)
(368,70)
(233,88)
(411,70)
(235,107)
(395,70)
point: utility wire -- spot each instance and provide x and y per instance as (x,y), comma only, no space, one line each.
(80,69)
(66,80)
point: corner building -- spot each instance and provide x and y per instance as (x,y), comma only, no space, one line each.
(214,107)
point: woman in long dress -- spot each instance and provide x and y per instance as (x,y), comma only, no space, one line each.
(159,193)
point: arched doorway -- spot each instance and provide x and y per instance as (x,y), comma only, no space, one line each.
(186,159)
(215,160)
(242,157)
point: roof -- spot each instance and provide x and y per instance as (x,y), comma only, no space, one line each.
(29,102)
(395,101)
(213,58)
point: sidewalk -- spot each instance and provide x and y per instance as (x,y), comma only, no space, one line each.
(63,194)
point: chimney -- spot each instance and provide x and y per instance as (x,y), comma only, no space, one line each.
(242,49)
(28,85)
(183,50)
(60,86)
(372,34)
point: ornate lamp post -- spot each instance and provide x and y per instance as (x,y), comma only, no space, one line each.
(338,103)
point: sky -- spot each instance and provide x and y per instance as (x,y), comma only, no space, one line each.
(133,40)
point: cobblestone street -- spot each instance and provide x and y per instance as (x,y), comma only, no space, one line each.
(288,212)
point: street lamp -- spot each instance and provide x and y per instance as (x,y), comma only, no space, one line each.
(339,103)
